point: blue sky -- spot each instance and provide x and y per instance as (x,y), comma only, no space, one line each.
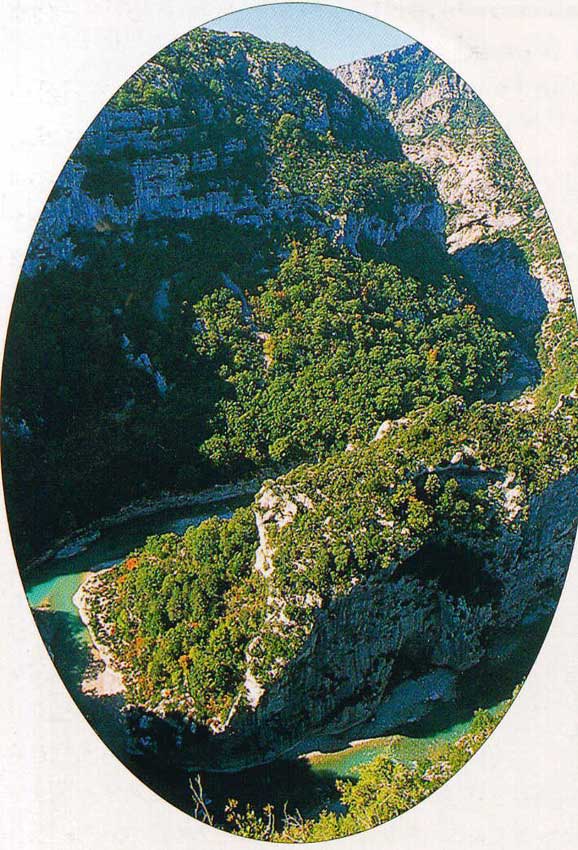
(330,34)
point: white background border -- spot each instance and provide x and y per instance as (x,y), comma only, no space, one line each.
(60,787)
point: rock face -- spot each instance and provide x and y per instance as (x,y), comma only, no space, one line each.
(502,282)
(159,186)
(349,228)
(532,564)
(360,643)
(487,193)
(392,78)
(189,155)
(405,623)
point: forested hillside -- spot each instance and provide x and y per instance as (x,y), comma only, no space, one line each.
(236,268)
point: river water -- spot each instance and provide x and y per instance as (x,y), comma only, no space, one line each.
(306,783)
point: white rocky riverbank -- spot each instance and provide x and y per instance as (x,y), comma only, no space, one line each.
(108,679)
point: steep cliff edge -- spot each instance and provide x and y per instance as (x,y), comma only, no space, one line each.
(387,565)
(198,132)
(488,195)
(436,607)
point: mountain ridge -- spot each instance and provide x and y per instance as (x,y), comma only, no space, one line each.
(446,128)
(125,226)
(241,273)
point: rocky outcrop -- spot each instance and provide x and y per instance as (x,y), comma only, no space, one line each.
(163,186)
(192,152)
(161,190)
(501,280)
(275,509)
(393,77)
(531,564)
(487,193)
(434,610)
(349,228)
(448,131)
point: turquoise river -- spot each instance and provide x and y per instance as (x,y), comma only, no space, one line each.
(306,783)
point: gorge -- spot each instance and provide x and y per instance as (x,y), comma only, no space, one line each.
(343,287)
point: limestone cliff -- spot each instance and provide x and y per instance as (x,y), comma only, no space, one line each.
(488,195)
(435,609)
(192,135)
(420,591)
